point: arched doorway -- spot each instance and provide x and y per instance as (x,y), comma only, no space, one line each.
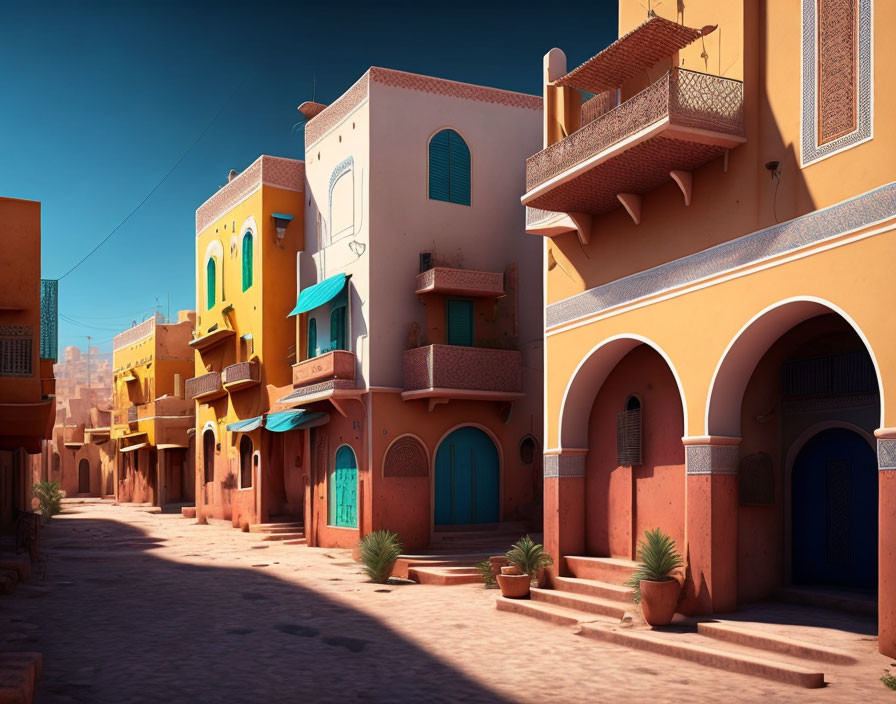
(467,479)
(343,489)
(84,476)
(208,456)
(246,452)
(834,511)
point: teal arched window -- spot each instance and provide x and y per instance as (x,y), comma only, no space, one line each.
(247,259)
(343,490)
(449,168)
(312,337)
(210,283)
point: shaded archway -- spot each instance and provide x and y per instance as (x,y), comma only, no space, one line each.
(84,476)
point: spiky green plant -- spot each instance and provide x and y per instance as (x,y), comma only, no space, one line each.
(379,551)
(49,497)
(485,571)
(889,679)
(658,558)
(528,556)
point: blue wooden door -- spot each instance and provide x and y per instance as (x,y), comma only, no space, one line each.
(834,514)
(466,479)
(343,491)
(459,328)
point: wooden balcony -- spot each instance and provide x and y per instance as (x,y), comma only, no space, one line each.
(453,372)
(165,421)
(461,282)
(205,388)
(679,123)
(338,364)
(240,376)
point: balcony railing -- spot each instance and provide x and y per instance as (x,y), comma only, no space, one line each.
(240,375)
(205,387)
(704,109)
(338,364)
(461,282)
(132,414)
(463,368)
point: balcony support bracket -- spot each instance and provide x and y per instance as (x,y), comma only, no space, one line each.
(632,203)
(685,181)
(582,221)
(337,404)
(433,402)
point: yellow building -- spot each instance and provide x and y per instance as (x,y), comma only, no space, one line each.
(151,420)
(247,237)
(719,222)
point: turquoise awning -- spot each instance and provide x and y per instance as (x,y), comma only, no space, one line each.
(294,420)
(317,295)
(245,426)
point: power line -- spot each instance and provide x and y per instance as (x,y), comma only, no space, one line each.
(156,187)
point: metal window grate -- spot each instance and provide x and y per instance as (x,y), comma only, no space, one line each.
(836,374)
(15,350)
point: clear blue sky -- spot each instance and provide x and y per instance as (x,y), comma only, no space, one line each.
(100,99)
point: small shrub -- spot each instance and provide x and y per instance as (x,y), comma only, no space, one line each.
(658,559)
(49,497)
(528,556)
(889,678)
(485,571)
(379,551)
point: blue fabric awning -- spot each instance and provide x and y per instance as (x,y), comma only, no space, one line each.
(245,426)
(294,419)
(317,295)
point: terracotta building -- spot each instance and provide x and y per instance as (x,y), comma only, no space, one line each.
(28,325)
(414,402)
(151,421)
(718,225)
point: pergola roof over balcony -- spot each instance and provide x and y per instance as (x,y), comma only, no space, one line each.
(631,55)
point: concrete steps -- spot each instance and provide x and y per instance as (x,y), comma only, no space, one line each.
(404,563)
(579,602)
(840,600)
(589,587)
(444,575)
(283,536)
(709,651)
(19,673)
(295,541)
(551,613)
(188,511)
(610,570)
(291,527)
(773,643)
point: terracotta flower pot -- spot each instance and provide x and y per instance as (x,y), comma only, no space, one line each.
(511,570)
(514,586)
(658,601)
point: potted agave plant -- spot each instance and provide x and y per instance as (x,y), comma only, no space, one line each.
(655,581)
(526,558)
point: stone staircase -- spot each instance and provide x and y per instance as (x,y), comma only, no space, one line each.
(287,533)
(595,602)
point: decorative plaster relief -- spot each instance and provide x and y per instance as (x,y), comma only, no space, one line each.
(711,459)
(406,458)
(564,466)
(886,454)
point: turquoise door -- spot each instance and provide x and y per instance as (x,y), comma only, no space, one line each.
(460,322)
(343,490)
(466,479)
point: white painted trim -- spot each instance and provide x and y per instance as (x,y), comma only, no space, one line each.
(623,336)
(796,299)
(210,425)
(720,278)
(341,122)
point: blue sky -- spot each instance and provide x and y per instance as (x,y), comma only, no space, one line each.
(100,100)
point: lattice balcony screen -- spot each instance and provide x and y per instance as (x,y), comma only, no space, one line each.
(49,318)
(15,350)
(628,438)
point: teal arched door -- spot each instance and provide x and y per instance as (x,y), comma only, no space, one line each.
(467,479)
(343,490)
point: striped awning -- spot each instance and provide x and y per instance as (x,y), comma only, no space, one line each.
(294,419)
(246,426)
(319,294)
(631,55)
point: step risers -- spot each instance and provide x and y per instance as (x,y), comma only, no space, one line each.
(580,602)
(825,600)
(282,536)
(406,563)
(601,569)
(588,587)
(294,541)
(708,655)
(274,527)
(444,576)
(550,613)
(733,633)
(188,511)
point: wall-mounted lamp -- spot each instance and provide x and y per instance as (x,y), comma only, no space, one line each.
(281,221)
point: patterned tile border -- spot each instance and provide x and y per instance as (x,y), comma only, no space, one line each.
(268,170)
(564,466)
(886,454)
(810,148)
(318,126)
(711,459)
(859,212)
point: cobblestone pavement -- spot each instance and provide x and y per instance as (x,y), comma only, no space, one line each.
(140,607)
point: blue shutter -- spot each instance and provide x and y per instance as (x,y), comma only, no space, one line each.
(210,283)
(459,169)
(439,166)
(460,323)
(247,260)
(312,337)
(337,328)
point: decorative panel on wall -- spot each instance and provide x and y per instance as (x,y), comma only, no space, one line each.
(406,458)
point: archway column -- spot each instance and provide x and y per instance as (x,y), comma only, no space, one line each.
(886,542)
(564,505)
(710,524)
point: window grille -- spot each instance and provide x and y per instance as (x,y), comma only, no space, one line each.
(15,350)
(628,434)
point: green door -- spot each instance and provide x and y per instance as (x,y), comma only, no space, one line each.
(343,490)
(467,481)
(460,322)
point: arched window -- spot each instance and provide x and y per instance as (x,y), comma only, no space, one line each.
(628,433)
(210,283)
(247,259)
(246,462)
(342,493)
(449,168)
(312,337)
(208,455)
